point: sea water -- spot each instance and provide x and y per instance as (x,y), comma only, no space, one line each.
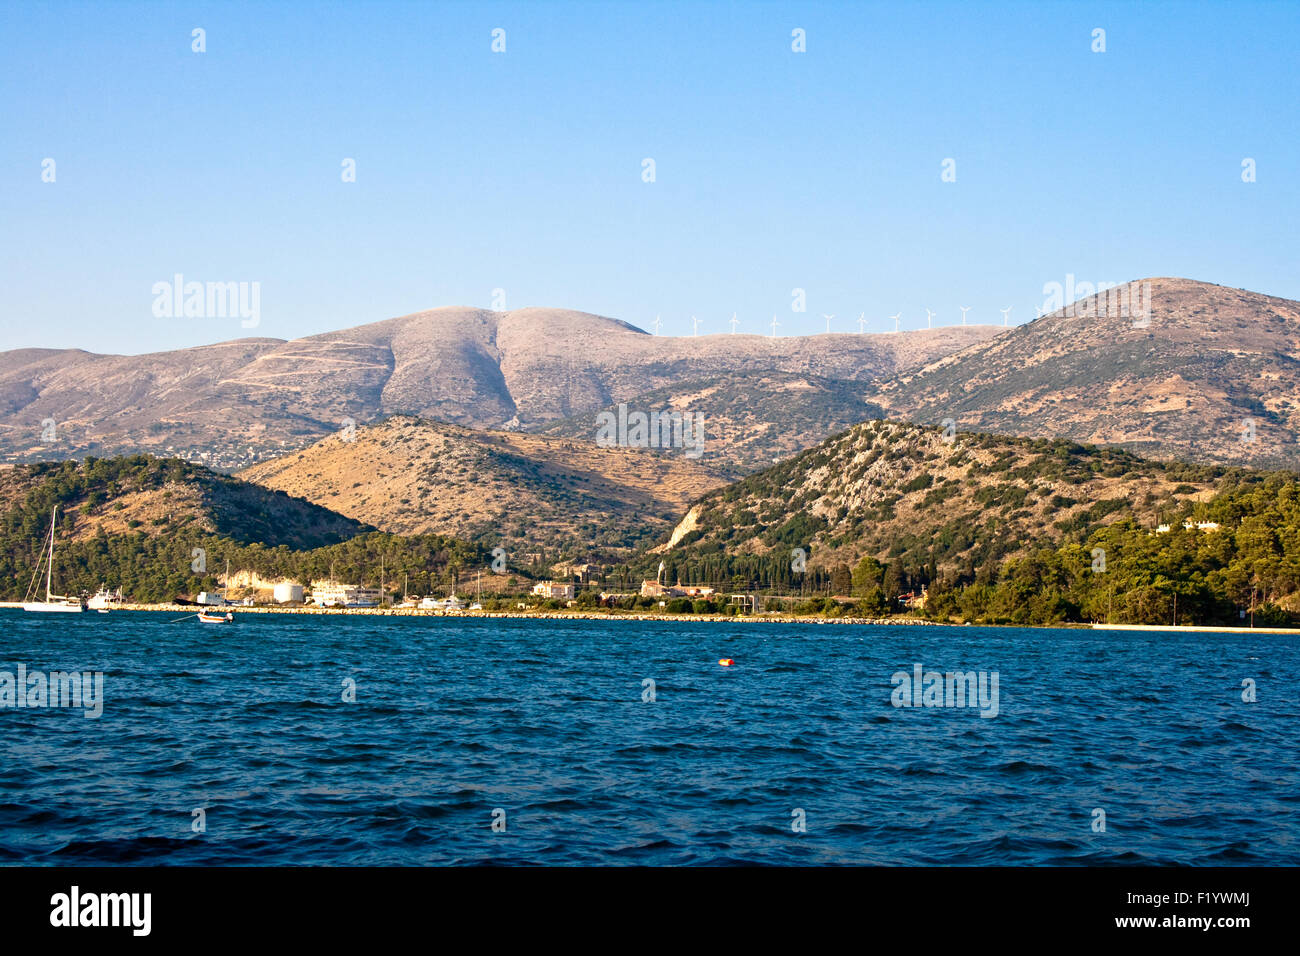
(335,740)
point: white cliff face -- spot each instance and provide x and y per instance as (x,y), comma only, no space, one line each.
(684,527)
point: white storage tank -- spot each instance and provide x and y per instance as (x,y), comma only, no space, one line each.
(287,592)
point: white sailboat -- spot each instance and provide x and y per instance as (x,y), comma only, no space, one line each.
(53,602)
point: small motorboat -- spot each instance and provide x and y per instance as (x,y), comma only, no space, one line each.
(209,617)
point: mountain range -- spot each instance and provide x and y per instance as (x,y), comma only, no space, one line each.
(1207,373)
(235,403)
(482,426)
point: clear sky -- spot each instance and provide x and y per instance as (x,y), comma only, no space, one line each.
(523,170)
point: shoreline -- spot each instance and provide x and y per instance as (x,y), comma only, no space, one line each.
(647,616)
(521,615)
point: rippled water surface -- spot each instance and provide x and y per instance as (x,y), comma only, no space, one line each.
(545,720)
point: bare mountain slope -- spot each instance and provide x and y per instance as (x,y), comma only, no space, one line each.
(751,420)
(1212,375)
(243,401)
(528,493)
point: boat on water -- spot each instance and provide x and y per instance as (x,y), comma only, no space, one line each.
(216,617)
(452,603)
(57,603)
(104,599)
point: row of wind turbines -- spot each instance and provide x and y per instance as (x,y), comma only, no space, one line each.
(862,321)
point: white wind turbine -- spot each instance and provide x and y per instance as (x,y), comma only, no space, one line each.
(1006,315)
(929,319)
(862,322)
(734,322)
(695,323)
(896,319)
(828,322)
(964,310)
(775,323)
(656,325)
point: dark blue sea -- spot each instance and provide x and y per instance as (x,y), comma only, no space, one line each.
(541,726)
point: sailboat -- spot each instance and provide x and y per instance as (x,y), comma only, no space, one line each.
(53,602)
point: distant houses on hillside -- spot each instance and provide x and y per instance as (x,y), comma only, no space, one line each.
(1206,526)
(555,590)
(655,589)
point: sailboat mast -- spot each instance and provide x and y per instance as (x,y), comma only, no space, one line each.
(49,570)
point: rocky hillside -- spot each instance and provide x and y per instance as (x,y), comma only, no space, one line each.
(753,420)
(528,493)
(239,402)
(954,503)
(1211,374)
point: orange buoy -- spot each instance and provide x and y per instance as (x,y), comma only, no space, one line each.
(726,662)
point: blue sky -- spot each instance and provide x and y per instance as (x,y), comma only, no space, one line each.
(522,170)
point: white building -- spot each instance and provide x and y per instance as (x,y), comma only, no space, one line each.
(329,594)
(555,590)
(1205,526)
(211,598)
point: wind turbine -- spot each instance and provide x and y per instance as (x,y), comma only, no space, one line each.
(862,321)
(695,323)
(734,322)
(656,325)
(775,323)
(929,319)
(896,318)
(964,310)
(1006,315)
(828,322)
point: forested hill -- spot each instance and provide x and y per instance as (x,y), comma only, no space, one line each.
(159,496)
(136,522)
(928,500)
(1001,529)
